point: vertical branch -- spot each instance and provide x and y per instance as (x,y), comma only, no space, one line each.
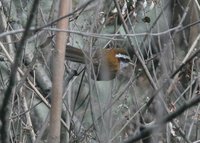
(58,72)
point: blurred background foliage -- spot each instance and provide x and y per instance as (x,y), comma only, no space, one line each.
(104,111)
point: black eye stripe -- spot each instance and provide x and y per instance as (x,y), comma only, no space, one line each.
(126,60)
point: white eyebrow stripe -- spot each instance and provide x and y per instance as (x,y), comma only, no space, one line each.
(122,56)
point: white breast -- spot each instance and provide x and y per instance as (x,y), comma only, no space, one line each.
(123,65)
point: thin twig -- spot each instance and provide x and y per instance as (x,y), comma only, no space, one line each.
(134,49)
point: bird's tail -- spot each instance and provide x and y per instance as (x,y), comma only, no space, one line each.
(74,54)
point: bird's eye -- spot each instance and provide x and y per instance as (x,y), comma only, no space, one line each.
(124,60)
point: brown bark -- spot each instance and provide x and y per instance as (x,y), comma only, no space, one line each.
(58,72)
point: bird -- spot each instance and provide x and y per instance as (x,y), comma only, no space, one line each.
(107,62)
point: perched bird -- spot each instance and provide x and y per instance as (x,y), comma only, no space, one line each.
(106,62)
